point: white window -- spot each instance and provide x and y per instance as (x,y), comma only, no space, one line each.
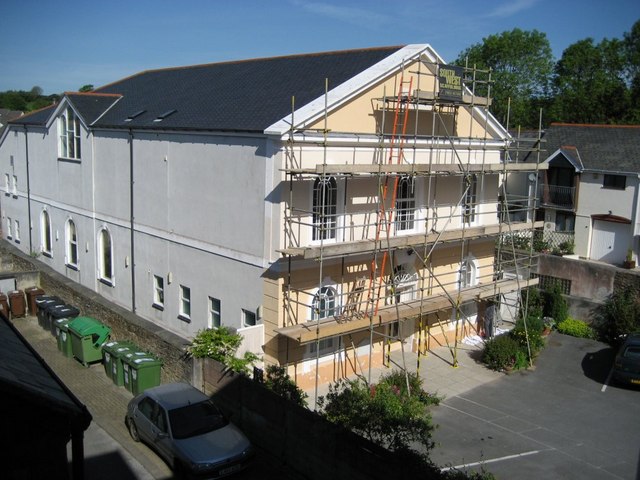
(468,273)
(248,318)
(324,303)
(17,230)
(72,244)
(45,233)
(185,302)
(9,228)
(215,318)
(469,207)
(14,185)
(158,291)
(69,129)
(7,184)
(105,260)
(325,205)
(405,204)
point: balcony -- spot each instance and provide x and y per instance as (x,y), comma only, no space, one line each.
(557,196)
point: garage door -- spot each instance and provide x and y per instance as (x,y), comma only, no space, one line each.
(610,241)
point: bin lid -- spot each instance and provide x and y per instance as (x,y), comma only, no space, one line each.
(144,362)
(119,346)
(87,326)
(63,311)
(43,301)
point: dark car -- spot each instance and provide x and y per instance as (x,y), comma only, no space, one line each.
(626,368)
(188,431)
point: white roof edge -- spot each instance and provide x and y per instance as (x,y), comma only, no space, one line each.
(577,167)
(347,90)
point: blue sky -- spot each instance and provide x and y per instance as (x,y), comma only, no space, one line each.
(64,44)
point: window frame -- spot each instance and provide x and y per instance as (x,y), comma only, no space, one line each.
(184,312)
(9,228)
(612,181)
(324,209)
(69,135)
(215,314)
(71,232)
(46,238)
(406,204)
(14,186)
(158,292)
(321,296)
(105,261)
(246,315)
(470,200)
(16,230)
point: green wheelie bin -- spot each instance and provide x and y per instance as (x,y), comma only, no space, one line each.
(87,337)
(64,337)
(144,371)
(112,353)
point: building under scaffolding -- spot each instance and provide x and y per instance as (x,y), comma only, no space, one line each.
(397,226)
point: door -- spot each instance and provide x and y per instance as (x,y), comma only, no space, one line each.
(610,241)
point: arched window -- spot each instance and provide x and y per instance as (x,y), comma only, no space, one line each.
(405,204)
(72,244)
(325,202)
(324,303)
(45,233)
(468,273)
(105,261)
(69,130)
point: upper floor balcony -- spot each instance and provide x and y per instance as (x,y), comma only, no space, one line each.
(557,196)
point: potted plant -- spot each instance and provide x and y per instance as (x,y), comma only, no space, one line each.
(629,261)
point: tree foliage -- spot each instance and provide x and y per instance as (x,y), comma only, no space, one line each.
(392,413)
(521,63)
(619,315)
(221,344)
(23,101)
(279,381)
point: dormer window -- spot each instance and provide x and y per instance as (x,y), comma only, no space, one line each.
(69,129)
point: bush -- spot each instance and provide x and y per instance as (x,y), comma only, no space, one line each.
(576,328)
(221,344)
(500,353)
(533,333)
(279,381)
(555,305)
(619,315)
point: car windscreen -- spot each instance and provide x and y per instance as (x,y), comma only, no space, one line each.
(632,351)
(195,419)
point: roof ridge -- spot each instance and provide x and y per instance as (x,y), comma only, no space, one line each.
(100,94)
(248,60)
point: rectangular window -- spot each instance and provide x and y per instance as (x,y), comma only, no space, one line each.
(16,232)
(14,186)
(325,344)
(215,319)
(158,292)
(470,187)
(9,228)
(615,182)
(7,184)
(248,318)
(185,303)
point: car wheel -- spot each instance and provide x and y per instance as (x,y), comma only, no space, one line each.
(133,431)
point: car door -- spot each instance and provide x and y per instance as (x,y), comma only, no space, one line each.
(142,417)
(160,433)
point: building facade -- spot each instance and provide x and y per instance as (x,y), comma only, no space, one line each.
(331,207)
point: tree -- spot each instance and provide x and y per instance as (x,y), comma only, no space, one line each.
(279,381)
(392,413)
(86,88)
(632,70)
(36,91)
(589,83)
(619,315)
(221,344)
(521,64)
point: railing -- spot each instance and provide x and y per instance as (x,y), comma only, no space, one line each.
(557,196)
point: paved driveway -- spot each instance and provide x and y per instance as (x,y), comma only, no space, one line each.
(560,420)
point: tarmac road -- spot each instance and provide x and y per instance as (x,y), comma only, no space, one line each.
(561,419)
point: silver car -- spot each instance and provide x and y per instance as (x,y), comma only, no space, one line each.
(188,431)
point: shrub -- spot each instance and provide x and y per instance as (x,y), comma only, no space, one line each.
(279,381)
(500,352)
(529,339)
(576,328)
(221,344)
(619,315)
(555,305)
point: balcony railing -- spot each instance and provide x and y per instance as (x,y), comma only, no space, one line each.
(557,196)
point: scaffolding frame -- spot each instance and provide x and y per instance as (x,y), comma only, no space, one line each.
(360,305)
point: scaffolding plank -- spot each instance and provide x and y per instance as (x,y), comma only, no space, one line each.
(418,168)
(405,241)
(329,327)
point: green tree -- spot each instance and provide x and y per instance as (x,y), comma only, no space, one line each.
(619,315)
(221,344)
(279,381)
(392,413)
(590,83)
(521,63)
(86,88)
(632,70)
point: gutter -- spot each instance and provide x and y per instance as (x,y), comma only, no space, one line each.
(26,154)
(133,259)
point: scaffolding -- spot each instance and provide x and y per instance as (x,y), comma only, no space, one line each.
(370,241)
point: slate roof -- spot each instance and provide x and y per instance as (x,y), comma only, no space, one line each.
(247,95)
(24,374)
(614,148)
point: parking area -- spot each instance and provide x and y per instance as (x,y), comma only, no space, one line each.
(563,419)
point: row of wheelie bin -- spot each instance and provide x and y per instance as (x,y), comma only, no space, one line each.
(130,367)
